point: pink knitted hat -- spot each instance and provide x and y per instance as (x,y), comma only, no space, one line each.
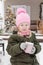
(22,16)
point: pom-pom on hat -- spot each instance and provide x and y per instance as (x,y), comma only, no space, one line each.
(22,16)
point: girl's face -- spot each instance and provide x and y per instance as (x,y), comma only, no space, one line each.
(41,25)
(24,27)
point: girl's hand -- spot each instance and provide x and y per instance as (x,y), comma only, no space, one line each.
(30,49)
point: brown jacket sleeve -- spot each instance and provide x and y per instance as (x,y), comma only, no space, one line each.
(36,44)
(13,47)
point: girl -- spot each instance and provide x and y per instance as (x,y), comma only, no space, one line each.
(23,46)
(40,27)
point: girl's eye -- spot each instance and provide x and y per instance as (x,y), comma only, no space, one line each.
(26,25)
(21,24)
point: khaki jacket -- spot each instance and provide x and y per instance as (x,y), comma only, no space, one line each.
(18,56)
